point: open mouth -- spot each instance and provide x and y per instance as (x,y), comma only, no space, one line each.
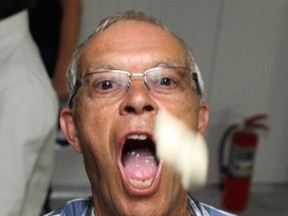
(139,162)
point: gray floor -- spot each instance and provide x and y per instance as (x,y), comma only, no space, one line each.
(265,200)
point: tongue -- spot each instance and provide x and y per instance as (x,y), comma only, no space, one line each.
(140,164)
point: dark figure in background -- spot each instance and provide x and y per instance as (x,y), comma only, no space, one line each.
(28,112)
(55,26)
(45,22)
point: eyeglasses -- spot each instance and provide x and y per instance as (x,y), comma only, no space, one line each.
(113,83)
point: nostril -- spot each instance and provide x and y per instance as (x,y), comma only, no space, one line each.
(148,108)
(132,109)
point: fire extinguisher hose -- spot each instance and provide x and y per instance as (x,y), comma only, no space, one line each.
(222,166)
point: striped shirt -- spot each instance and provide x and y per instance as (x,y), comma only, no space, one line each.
(84,207)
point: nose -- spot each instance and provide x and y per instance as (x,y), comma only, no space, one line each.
(138,100)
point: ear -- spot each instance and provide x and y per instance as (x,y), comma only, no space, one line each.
(69,128)
(203,117)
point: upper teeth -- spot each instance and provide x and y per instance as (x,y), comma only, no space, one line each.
(137,137)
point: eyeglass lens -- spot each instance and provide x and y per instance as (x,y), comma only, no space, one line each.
(115,82)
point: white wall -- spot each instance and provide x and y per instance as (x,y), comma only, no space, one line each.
(249,77)
(241,47)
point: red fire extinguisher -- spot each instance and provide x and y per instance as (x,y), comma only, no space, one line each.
(238,173)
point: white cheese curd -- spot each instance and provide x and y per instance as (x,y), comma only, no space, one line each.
(184,150)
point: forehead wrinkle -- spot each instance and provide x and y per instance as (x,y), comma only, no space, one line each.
(136,48)
(135,61)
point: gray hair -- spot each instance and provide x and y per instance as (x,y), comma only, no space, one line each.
(74,69)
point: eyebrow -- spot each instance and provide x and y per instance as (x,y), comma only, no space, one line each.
(97,66)
(108,66)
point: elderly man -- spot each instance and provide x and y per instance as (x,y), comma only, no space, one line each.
(120,78)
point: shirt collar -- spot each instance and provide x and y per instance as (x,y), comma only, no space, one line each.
(193,205)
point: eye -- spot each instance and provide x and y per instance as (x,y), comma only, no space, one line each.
(163,78)
(104,85)
(166,81)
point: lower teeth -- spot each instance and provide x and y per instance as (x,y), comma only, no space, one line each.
(141,183)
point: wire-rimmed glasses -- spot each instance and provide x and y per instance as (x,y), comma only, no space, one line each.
(112,83)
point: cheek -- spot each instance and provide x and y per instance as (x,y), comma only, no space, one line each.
(94,126)
(94,135)
(190,112)
(184,107)
(94,118)
(95,121)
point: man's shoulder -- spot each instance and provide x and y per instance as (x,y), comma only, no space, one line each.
(76,207)
(203,209)
(212,211)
